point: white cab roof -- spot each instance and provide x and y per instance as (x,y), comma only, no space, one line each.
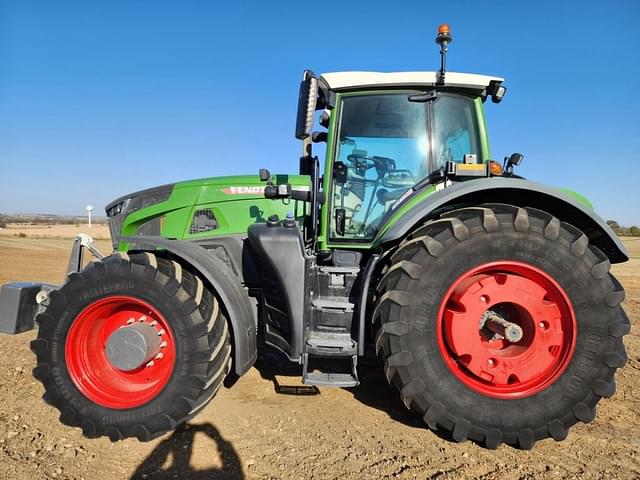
(347,80)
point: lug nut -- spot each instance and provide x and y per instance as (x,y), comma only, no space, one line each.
(143,318)
(159,356)
(130,321)
(150,364)
(163,344)
(161,332)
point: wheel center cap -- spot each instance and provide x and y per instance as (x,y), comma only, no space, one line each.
(131,347)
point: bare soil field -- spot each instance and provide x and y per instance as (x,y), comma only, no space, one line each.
(97,231)
(250,431)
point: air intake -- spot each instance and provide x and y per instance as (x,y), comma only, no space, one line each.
(203,221)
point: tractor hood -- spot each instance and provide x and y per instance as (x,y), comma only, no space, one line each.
(168,210)
(206,189)
(223,189)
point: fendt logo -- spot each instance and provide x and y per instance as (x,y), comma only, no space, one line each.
(244,190)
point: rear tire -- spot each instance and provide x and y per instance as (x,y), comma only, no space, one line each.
(90,392)
(449,375)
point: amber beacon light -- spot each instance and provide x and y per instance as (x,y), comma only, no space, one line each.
(443,39)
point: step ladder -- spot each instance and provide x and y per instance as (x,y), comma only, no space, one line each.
(334,348)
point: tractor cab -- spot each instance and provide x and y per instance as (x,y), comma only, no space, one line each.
(388,135)
(387,132)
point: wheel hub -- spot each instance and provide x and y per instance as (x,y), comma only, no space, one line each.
(131,347)
(506,329)
(120,352)
(500,327)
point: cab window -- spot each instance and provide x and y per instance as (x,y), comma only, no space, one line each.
(387,144)
(455,129)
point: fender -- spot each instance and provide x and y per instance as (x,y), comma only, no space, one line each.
(240,309)
(513,191)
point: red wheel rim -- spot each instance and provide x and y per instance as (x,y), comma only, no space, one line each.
(87,361)
(526,296)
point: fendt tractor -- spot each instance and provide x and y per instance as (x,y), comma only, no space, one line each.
(487,297)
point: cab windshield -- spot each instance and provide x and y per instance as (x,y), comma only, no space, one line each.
(388,143)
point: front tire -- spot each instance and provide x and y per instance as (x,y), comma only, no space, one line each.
(533,270)
(155,295)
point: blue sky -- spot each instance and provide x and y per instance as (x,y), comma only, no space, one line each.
(98,99)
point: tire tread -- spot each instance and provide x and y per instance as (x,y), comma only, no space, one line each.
(211,359)
(402,273)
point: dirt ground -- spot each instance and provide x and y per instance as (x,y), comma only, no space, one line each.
(250,431)
(97,231)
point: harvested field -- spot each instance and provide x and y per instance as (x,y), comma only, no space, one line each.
(97,231)
(250,431)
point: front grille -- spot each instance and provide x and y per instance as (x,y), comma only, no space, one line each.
(203,221)
(115,225)
(116,212)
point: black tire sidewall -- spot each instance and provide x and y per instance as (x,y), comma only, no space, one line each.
(571,273)
(95,284)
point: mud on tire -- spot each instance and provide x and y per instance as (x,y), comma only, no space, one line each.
(156,398)
(416,337)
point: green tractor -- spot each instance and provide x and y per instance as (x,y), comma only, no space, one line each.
(487,298)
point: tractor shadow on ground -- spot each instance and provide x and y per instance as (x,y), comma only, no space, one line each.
(285,375)
(177,451)
(373,391)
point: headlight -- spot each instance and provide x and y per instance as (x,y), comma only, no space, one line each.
(496,90)
(114,210)
(138,200)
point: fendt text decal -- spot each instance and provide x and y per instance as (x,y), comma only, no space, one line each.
(244,190)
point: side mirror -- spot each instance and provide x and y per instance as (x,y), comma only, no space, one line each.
(513,161)
(307,99)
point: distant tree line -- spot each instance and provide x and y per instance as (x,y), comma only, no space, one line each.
(632,231)
(6,219)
